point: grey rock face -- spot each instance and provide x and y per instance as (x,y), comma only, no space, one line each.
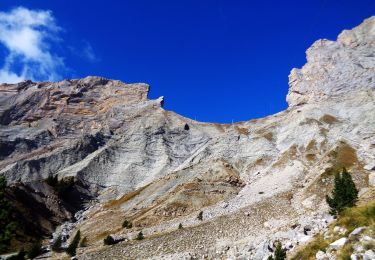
(334,69)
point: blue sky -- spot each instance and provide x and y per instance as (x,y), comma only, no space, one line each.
(213,60)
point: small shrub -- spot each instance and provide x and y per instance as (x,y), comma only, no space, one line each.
(200,216)
(186,127)
(180,226)
(127,224)
(56,245)
(34,250)
(83,242)
(62,186)
(52,181)
(72,248)
(280,253)
(140,236)
(109,240)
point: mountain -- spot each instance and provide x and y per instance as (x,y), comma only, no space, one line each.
(119,156)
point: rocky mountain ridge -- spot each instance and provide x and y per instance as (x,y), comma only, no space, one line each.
(127,158)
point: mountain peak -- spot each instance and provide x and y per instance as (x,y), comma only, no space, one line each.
(336,68)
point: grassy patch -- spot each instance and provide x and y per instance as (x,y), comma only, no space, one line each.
(242,130)
(352,218)
(268,136)
(309,251)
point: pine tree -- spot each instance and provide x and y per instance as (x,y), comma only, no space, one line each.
(200,215)
(127,224)
(180,226)
(7,226)
(56,245)
(72,248)
(280,253)
(344,194)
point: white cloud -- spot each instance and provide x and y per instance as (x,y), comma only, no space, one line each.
(27,34)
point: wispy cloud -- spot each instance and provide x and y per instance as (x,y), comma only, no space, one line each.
(27,36)
(85,51)
(88,52)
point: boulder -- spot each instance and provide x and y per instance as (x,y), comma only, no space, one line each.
(338,243)
(320,255)
(369,255)
(356,232)
(371,179)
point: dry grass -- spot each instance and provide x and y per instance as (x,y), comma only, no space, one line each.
(310,157)
(268,136)
(310,121)
(242,130)
(311,145)
(346,156)
(351,218)
(286,157)
(345,252)
(117,203)
(329,119)
(309,251)
(363,215)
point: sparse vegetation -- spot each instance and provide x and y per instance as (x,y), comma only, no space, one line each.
(127,224)
(309,251)
(56,245)
(360,216)
(72,248)
(62,186)
(200,216)
(52,181)
(329,119)
(83,242)
(7,225)
(140,236)
(344,194)
(35,250)
(109,240)
(280,253)
(350,218)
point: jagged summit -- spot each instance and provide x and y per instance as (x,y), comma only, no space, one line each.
(334,69)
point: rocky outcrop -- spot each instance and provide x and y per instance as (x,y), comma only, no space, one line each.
(336,69)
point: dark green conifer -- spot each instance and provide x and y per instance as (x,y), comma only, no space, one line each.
(72,248)
(344,193)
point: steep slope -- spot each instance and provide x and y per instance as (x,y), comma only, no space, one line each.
(256,181)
